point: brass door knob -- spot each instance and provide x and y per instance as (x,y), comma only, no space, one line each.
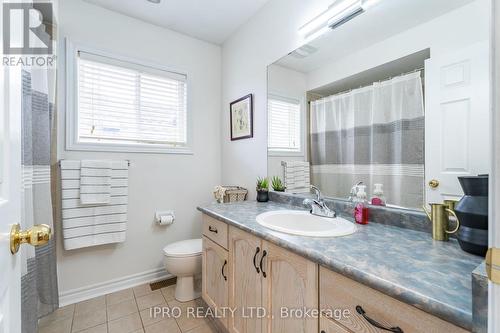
(37,235)
(434,183)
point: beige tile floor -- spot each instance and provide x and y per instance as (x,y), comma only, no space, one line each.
(126,311)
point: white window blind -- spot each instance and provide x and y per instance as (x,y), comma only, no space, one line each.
(126,103)
(284,124)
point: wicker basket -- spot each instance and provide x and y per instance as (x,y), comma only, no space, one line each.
(231,193)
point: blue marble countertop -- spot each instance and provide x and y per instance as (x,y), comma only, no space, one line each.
(402,263)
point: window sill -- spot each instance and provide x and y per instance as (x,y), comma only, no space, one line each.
(119,148)
(276,153)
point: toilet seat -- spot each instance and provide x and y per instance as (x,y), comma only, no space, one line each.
(183,249)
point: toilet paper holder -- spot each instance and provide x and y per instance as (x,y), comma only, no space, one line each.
(165,217)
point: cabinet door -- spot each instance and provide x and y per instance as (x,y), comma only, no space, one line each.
(289,282)
(214,277)
(245,284)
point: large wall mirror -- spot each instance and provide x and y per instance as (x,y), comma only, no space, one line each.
(396,95)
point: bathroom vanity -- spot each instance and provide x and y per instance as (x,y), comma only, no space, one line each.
(381,275)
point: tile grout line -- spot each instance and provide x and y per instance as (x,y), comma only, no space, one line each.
(168,302)
(176,322)
(72,319)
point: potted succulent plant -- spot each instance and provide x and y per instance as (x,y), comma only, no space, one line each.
(277,184)
(262,189)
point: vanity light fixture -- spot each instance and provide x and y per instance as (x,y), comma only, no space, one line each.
(340,12)
(154,1)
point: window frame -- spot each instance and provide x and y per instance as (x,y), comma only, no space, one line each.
(72,142)
(300,100)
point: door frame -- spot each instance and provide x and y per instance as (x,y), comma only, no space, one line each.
(10,169)
(494,225)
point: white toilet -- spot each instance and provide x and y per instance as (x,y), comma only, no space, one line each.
(183,259)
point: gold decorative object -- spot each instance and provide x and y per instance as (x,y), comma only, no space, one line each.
(450,204)
(493,265)
(37,235)
(440,216)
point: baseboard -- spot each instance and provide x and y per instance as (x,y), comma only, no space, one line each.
(103,288)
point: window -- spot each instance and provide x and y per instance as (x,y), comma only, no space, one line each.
(284,125)
(120,105)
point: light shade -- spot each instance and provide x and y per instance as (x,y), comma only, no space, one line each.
(338,13)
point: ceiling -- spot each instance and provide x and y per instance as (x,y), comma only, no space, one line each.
(380,22)
(210,20)
(415,61)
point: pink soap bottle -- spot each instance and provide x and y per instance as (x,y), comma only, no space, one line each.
(378,198)
(360,206)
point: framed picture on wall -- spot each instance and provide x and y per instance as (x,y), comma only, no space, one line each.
(241,118)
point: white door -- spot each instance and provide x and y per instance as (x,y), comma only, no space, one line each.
(494,205)
(10,195)
(457,131)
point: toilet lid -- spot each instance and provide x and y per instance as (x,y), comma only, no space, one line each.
(185,248)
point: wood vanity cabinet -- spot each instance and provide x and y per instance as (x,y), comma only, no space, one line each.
(265,276)
(215,266)
(342,293)
(245,273)
(215,230)
(291,283)
(330,326)
(214,277)
(245,281)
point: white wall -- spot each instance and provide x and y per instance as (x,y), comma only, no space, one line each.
(157,181)
(274,33)
(268,36)
(292,84)
(446,33)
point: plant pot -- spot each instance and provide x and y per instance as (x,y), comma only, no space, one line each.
(262,195)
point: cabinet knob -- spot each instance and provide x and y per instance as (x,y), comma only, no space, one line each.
(257,250)
(222,270)
(264,253)
(394,329)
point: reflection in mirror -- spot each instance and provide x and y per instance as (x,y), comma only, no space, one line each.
(395,99)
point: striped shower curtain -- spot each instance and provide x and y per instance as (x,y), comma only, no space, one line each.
(375,135)
(39,295)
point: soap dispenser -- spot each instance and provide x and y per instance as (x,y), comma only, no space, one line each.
(360,206)
(378,198)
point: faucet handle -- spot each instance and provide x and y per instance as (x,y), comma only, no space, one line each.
(318,192)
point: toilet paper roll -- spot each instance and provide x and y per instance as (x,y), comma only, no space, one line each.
(166,219)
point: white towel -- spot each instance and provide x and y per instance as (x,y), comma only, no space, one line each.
(90,225)
(95,182)
(296,176)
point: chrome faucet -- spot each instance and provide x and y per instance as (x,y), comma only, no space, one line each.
(318,206)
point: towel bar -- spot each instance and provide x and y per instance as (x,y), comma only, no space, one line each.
(59,163)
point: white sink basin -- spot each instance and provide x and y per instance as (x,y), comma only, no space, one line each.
(303,223)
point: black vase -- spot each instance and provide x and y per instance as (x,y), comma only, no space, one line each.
(472,211)
(262,195)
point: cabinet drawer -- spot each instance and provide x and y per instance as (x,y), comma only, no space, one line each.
(329,326)
(215,230)
(338,292)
